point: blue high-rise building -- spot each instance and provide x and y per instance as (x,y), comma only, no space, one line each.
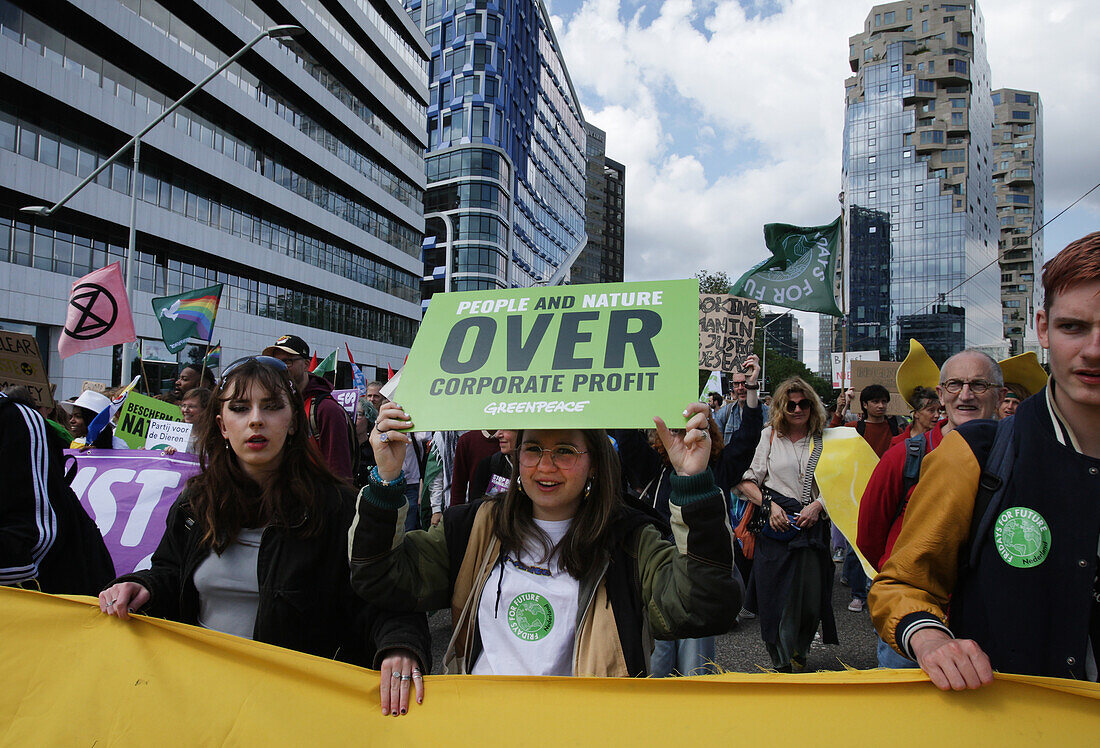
(506,148)
(918,164)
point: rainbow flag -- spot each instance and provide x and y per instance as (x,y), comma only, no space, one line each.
(187,316)
(214,357)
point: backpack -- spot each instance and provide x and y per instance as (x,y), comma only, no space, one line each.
(991,484)
(312,404)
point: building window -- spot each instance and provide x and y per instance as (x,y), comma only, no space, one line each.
(958,103)
(1023,98)
(895,191)
(954,154)
(996,99)
(872,159)
(895,173)
(872,194)
(1021,115)
(919,224)
(906,154)
(918,206)
(888,18)
(872,177)
(872,142)
(919,188)
(872,230)
(931,136)
(868,54)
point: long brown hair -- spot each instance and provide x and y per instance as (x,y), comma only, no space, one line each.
(224,499)
(586,538)
(815,424)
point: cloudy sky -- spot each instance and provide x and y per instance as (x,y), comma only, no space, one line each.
(728,115)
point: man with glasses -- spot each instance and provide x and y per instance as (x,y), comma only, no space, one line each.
(329,424)
(1005,521)
(744,389)
(971,387)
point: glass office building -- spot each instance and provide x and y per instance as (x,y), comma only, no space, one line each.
(917,176)
(295,178)
(605,185)
(506,148)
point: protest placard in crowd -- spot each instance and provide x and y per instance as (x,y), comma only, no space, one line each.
(128,493)
(866,373)
(843,361)
(21,365)
(161,434)
(607,355)
(347,399)
(135,415)
(726,328)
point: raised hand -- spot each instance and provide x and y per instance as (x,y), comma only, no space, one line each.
(688,449)
(389,444)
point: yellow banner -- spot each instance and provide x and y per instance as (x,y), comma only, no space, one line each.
(73,676)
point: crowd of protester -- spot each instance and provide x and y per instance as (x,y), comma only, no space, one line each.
(610,553)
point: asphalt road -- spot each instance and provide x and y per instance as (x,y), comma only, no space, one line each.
(741,650)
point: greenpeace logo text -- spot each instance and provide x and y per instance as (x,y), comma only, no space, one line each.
(537,406)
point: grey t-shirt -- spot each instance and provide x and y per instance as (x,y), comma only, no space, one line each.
(228,586)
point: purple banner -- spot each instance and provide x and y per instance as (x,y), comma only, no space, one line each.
(128,493)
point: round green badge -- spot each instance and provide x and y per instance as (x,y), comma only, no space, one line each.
(530,616)
(1022,537)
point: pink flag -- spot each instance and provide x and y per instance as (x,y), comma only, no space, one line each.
(98,314)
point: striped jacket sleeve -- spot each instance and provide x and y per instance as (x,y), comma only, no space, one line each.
(28,524)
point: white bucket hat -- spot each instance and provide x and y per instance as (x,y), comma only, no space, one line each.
(89,400)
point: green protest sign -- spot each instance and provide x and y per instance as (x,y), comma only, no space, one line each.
(611,355)
(136,413)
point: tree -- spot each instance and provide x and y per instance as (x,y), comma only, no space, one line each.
(713,282)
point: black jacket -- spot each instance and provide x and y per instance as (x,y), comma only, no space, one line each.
(47,540)
(306,601)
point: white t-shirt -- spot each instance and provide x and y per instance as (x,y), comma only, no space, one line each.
(530,631)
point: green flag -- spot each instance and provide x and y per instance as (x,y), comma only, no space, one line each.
(327,366)
(800,272)
(187,315)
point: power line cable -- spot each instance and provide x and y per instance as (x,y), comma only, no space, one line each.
(998,258)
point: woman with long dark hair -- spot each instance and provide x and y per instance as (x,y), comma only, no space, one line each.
(792,567)
(559,575)
(256,544)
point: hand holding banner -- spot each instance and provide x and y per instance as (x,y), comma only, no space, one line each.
(612,355)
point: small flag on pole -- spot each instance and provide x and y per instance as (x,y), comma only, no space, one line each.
(95,428)
(358,380)
(213,357)
(98,314)
(187,315)
(327,366)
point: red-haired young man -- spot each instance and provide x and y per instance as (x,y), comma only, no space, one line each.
(1021,571)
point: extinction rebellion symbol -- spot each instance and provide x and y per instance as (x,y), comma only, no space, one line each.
(530,616)
(98,311)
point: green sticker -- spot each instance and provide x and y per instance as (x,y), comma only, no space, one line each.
(1022,537)
(530,616)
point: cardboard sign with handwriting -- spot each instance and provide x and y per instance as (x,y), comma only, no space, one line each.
(21,365)
(865,373)
(726,328)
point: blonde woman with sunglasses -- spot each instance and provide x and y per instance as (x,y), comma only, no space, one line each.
(792,567)
(560,575)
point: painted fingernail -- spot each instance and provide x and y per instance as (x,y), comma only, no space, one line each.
(404,710)
(685,414)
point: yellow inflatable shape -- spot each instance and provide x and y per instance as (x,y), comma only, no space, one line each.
(843,470)
(1026,370)
(73,676)
(918,369)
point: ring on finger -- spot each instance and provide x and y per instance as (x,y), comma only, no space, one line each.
(383,437)
(406,677)
(395,674)
(111,602)
(416,674)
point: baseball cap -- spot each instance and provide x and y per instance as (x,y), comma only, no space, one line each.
(291,344)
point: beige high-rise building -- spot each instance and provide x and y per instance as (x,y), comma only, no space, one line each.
(1018,181)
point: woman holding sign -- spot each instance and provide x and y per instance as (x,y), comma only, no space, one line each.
(793,569)
(255,545)
(559,576)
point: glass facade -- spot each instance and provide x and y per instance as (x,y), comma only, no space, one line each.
(921,221)
(602,258)
(295,178)
(505,162)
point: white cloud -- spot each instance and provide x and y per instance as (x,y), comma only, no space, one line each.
(771,89)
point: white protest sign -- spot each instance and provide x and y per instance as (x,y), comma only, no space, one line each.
(851,356)
(163,434)
(347,400)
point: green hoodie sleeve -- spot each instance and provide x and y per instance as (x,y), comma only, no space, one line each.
(689,587)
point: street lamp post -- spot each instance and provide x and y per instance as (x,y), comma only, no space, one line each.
(275,32)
